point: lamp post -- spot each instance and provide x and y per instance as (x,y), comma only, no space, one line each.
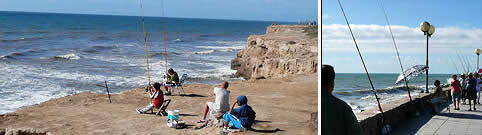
(477,51)
(428,30)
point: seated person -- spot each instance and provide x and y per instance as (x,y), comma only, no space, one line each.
(437,97)
(241,117)
(172,78)
(220,105)
(157,94)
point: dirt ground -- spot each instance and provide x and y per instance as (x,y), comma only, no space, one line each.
(284,103)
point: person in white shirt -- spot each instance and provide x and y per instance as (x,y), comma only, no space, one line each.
(221,103)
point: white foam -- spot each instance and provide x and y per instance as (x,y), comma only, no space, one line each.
(70,56)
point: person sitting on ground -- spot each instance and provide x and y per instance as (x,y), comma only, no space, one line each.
(437,96)
(462,81)
(241,117)
(456,90)
(221,103)
(154,94)
(172,78)
(471,90)
(336,115)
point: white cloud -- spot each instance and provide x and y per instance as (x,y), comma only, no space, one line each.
(376,38)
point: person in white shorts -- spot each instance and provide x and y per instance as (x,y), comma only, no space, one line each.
(221,103)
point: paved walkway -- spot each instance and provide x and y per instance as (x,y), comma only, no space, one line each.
(455,122)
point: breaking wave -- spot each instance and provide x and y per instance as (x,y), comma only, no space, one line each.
(70,56)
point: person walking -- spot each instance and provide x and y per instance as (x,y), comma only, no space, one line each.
(456,90)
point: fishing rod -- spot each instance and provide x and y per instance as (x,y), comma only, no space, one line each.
(396,50)
(363,62)
(453,63)
(145,43)
(164,31)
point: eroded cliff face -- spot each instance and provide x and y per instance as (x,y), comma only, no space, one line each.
(283,50)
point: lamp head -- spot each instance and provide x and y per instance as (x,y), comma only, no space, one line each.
(477,51)
(431,30)
(424,26)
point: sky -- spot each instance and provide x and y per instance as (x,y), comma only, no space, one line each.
(265,10)
(458,32)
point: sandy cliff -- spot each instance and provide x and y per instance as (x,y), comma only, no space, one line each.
(283,50)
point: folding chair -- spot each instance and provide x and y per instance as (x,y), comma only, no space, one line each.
(162,109)
(179,84)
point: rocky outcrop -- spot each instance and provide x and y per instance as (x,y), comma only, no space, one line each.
(24,131)
(283,50)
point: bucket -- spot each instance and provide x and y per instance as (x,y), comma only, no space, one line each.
(173,115)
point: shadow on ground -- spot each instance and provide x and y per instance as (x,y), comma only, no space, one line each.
(462,116)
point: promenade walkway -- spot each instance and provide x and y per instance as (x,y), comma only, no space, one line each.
(455,122)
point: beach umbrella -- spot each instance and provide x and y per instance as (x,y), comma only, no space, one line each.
(478,70)
(412,72)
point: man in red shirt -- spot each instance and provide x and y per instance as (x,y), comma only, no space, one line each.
(157,94)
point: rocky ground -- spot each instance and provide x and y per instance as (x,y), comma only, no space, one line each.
(283,103)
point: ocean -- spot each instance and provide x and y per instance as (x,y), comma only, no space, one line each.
(48,55)
(355,89)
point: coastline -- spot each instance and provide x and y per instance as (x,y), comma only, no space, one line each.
(276,102)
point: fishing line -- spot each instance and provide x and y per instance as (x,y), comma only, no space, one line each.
(164,31)
(145,43)
(363,62)
(396,50)
(453,63)
(462,62)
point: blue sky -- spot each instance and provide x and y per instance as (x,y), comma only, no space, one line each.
(458,32)
(268,10)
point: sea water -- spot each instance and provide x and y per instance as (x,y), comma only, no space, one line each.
(46,55)
(355,89)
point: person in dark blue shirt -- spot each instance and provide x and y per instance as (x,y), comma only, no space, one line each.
(241,117)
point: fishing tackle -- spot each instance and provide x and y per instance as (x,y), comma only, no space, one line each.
(386,128)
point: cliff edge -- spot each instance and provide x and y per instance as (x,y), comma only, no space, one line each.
(283,50)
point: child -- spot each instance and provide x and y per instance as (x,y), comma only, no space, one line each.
(241,117)
(157,94)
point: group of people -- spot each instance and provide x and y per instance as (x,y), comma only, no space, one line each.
(466,88)
(241,117)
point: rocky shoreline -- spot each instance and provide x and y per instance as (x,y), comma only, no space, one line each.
(276,98)
(283,50)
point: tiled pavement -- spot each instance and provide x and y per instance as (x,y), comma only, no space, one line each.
(456,122)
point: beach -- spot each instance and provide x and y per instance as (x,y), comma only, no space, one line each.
(283,90)
(285,103)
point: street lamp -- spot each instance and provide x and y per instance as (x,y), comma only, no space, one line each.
(477,51)
(428,30)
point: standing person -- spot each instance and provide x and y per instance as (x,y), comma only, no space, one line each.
(456,90)
(471,90)
(463,84)
(157,94)
(172,78)
(478,87)
(336,115)
(220,105)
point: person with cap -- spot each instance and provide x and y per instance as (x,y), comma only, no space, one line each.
(241,117)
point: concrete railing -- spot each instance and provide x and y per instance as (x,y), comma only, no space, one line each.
(394,112)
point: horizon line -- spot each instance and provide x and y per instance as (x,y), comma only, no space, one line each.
(147,16)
